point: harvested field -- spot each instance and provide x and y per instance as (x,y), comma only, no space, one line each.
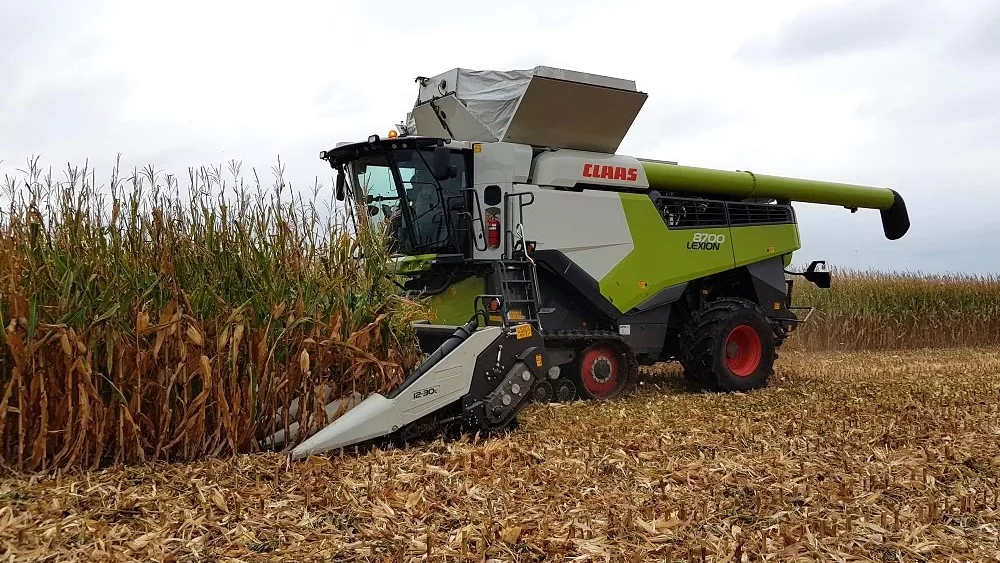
(848,456)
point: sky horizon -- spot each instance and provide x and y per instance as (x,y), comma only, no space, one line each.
(891,93)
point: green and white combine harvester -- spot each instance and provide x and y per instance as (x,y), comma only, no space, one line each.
(556,267)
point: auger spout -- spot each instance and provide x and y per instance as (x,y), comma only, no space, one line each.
(672,177)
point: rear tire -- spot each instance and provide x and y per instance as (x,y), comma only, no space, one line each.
(729,346)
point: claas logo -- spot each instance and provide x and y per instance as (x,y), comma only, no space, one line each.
(610,172)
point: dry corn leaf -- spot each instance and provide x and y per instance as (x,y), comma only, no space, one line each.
(511,535)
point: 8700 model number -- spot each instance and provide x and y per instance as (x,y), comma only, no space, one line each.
(706,241)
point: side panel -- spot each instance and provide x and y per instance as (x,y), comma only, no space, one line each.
(462,124)
(446,381)
(412,264)
(589,227)
(662,257)
(455,306)
(768,278)
(754,243)
(568,168)
(497,166)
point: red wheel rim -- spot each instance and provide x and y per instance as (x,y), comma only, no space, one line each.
(743,350)
(599,371)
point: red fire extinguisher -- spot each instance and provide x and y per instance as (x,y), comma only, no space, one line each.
(493,231)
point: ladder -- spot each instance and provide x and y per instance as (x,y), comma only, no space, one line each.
(518,285)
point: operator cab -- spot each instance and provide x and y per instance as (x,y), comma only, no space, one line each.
(413,188)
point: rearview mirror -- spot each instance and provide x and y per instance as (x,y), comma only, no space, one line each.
(821,278)
(340,185)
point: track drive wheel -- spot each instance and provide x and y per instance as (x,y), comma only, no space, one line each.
(729,346)
(603,370)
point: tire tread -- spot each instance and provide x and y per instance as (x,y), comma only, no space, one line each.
(703,334)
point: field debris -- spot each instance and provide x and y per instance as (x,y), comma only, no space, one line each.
(847,457)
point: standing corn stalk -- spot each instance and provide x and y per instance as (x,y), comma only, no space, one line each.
(148,323)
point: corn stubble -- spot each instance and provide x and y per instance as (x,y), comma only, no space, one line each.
(145,322)
(848,457)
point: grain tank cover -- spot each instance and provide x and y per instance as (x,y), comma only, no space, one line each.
(542,107)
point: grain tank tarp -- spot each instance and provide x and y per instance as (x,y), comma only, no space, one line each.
(543,106)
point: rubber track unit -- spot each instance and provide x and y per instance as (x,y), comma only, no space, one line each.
(701,337)
(579,340)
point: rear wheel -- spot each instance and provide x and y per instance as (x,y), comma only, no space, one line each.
(729,346)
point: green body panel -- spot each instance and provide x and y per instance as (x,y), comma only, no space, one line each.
(671,177)
(662,257)
(755,243)
(456,305)
(416,264)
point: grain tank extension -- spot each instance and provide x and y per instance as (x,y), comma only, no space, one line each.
(506,202)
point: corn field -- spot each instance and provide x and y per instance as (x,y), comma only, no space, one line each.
(892,311)
(142,321)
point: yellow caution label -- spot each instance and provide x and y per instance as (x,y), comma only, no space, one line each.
(523,331)
(643,285)
(538,360)
(515,315)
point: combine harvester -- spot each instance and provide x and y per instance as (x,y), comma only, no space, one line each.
(554,265)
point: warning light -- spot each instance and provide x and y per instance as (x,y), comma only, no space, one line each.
(393,133)
(494,305)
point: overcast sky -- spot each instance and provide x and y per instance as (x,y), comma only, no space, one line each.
(902,93)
